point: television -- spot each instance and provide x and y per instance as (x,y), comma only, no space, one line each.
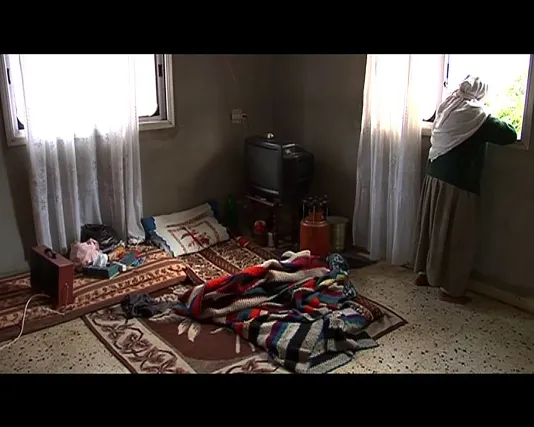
(277,170)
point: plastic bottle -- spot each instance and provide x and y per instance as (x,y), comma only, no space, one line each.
(231,213)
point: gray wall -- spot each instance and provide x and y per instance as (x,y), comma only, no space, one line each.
(181,167)
(12,253)
(201,157)
(318,100)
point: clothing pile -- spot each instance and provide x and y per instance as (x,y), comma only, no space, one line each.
(101,253)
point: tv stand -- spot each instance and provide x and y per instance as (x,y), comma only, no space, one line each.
(276,207)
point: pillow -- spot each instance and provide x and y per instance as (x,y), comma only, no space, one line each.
(149,225)
(189,231)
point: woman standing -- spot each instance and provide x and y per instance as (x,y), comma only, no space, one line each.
(445,239)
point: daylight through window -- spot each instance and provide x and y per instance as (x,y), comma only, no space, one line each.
(506,75)
(153,93)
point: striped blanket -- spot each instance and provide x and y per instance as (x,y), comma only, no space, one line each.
(308,317)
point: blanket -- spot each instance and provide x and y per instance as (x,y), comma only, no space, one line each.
(308,317)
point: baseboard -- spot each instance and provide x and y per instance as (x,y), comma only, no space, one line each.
(486,286)
(16,272)
(480,284)
(355,250)
(491,288)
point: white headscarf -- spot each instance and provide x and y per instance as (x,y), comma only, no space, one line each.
(458,117)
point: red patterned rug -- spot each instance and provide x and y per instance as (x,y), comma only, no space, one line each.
(158,271)
(169,343)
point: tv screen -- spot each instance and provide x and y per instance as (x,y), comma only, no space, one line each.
(263,167)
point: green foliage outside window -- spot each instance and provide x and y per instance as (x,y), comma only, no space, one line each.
(508,105)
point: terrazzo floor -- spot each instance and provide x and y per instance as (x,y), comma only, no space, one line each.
(484,336)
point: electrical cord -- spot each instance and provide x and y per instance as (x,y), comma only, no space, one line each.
(24,319)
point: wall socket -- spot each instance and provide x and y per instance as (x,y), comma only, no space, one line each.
(237,116)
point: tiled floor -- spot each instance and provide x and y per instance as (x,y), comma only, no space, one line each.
(484,336)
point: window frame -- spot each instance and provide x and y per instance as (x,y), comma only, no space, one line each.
(163,120)
(528,111)
(165,117)
(14,136)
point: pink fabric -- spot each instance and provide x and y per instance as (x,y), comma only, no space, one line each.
(82,254)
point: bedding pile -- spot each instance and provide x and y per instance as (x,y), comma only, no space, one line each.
(307,316)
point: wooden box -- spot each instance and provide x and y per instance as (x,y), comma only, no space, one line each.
(52,274)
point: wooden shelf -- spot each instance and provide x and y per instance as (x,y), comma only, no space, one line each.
(263,201)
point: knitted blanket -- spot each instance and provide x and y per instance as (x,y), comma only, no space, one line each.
(308,317)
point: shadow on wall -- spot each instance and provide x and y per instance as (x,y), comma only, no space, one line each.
(211,173)
(202,159)
(15,212)
(15,161)
(318,103)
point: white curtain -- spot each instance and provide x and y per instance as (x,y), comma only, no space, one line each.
(389,158)
(83,144)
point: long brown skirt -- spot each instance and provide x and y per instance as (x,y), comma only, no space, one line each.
(445,237)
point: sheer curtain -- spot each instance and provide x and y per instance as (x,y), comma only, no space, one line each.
(83,144)
(389,158)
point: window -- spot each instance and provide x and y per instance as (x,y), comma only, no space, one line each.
(508,78)
(154,94)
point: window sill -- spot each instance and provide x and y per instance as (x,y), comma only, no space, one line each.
(155,125)
(519,145)
(426,130)
(20,141)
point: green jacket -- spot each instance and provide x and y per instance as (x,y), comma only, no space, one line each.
(462,166)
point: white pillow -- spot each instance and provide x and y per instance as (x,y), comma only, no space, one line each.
(190,231)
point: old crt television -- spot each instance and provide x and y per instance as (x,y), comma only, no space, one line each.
(277,170)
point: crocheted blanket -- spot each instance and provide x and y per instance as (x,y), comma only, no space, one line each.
(307,316)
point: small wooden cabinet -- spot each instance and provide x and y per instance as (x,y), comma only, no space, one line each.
(282,218)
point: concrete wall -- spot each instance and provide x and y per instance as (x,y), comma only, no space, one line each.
(181,167)
(12,254)
(318,101)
